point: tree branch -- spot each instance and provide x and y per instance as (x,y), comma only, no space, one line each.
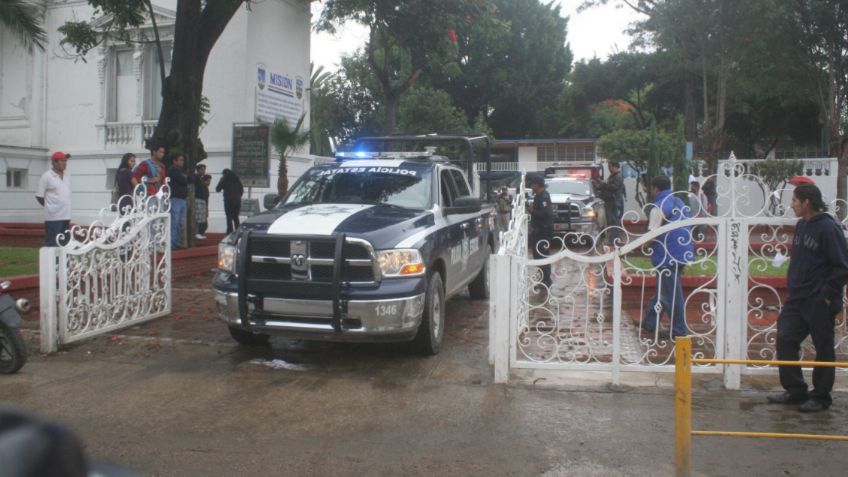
(214,18)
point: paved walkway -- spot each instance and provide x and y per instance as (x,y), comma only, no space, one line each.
(176,397)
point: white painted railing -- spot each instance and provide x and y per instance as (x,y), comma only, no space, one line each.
(119,133)
(592,316)
(110,275)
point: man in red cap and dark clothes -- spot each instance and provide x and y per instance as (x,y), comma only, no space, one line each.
(54,194)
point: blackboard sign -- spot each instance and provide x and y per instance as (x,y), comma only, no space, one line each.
(250,154)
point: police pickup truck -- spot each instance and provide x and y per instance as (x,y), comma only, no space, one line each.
(365,249)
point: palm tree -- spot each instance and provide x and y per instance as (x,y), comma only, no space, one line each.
(320,116)
(22,18)
(285,140)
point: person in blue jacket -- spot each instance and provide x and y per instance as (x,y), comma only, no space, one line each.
(670,252)
(817,274)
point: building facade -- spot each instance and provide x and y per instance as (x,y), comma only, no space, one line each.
(102,107)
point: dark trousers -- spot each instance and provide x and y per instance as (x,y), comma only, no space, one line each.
(799,318)
(202,226)
(670,298)
(232,209)
(540,250)
(52,228)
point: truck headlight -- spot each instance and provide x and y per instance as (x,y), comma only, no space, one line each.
(227,257)
(400,263)
(588,212)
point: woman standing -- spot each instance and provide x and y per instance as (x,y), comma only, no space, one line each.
(123,182)
(231,185)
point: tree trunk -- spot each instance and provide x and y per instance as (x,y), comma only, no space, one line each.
(195,32)
(283,179)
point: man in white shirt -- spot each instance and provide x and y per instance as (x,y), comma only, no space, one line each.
(54,194)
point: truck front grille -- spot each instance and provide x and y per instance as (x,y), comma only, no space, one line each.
(310,259)
(567,211)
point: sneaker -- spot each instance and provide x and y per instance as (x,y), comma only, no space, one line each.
(787,398)
(813,405)
(200,237)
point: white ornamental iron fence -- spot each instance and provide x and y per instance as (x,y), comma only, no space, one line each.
(598,312)
(111,274)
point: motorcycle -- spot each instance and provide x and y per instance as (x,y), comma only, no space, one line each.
(13,352)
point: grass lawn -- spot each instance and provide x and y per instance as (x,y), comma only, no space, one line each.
(758,268)
(18,261)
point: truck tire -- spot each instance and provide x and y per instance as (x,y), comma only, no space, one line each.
(13,352)
(248,338)
(431,331)
(479,288)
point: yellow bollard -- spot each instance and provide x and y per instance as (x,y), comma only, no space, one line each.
(683,407)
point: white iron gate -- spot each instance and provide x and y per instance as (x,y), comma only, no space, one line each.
(109,275)
(593,316)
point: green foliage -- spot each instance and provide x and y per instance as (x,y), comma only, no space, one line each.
(775,172)
(205,109)
(609,116)
(509,67)
(404,36)
(287,139)
(125,15)
(424,110)
(22,19)
(636,147)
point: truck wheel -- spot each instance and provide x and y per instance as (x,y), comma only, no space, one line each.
(479,288)
(248,338)
(13,353)
(431,331)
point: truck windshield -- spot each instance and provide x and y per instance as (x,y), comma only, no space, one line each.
(407,187)
(569,187)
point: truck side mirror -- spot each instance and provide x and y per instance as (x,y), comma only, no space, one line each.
(467,204)
(270,200)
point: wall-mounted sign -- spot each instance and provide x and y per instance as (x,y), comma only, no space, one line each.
(278,96)
(251,149)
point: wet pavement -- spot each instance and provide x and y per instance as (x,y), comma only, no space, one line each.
(176,397)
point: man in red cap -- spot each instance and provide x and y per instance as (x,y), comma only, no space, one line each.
(54,194)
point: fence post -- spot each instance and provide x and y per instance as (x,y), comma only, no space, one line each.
(502,317)
(735,276)
(493,293)
(616,317)
(683,407)
(48,320)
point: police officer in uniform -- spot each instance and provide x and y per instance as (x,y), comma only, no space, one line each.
(542,222)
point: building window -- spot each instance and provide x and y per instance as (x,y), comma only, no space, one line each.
(153,79)
(16,178)
(134,85)
(566,153)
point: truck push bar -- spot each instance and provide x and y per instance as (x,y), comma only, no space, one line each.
(334,287)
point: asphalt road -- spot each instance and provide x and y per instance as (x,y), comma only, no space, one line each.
(176,397)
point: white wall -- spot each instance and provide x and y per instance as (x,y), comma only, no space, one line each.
(61,104)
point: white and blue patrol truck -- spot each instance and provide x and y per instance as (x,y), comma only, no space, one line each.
(365,249)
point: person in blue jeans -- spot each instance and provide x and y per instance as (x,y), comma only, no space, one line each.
(670,252)
(179,194)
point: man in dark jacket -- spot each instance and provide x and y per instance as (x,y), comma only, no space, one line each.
(542,221)
(612,192)
(178,183)
(201,201)
(817,274)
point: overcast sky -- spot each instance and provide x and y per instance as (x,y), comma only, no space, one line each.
(595,32)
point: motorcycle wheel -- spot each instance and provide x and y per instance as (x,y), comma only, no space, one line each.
(13,353)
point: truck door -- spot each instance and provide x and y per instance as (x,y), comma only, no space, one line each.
(474,228)
(456,257)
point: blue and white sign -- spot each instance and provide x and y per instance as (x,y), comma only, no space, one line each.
(278,96)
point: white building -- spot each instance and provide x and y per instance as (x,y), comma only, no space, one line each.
(101,108)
